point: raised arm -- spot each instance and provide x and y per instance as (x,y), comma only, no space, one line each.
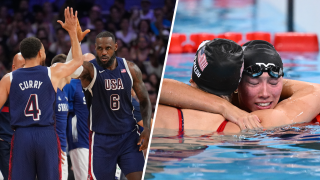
(61,70)
(4,89)
(85,72)
(178,94)
(145,104)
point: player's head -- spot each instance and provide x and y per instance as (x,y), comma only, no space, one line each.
(261,85)
(32,48)
(106,47)
(18,61)
(61,58)
(217,67)
(88,57)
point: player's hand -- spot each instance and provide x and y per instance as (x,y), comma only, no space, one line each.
(145,135)
(71,19)
(242,118)
(62,159)
(81,34)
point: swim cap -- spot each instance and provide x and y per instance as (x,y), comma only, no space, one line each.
(218,66)
(262,53)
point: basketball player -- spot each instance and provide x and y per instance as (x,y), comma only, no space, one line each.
(35,148)
(5,129)
(77,128)
(114,139)
(61,111)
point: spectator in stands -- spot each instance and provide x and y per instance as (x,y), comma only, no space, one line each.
(144,27)
(126,34)
(146,12)
(141,52)
(61,37)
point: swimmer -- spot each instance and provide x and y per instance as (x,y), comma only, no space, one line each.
(259,91)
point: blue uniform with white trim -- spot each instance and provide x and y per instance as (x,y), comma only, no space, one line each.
(35,145)
(61,118)
(114,133)
(77,130)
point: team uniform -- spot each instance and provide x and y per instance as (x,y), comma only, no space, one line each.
(5,139)
(136,112)
(77,129)
(113,131)
(61,111)
(35,147)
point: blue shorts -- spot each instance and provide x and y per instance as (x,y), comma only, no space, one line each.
(35,151)
(108,150)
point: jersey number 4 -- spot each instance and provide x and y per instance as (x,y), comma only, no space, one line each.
(32,108)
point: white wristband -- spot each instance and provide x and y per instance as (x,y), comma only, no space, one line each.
(69,56)
(77,73)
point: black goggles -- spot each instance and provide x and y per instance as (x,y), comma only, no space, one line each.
(257,70)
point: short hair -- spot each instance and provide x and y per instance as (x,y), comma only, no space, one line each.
(60,58)
(29,47)
(106,34)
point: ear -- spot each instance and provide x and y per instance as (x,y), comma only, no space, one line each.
(236,91)
(192,83)
(116,47)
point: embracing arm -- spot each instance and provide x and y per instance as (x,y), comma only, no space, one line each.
(178,94)
(4,89)
(302,103)
(145,104)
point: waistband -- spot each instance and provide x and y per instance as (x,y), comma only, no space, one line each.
(37,128)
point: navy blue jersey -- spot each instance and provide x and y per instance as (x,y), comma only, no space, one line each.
(136,112)
(32,97)
(77,130)
(61,118)
(5,128)
(111,110)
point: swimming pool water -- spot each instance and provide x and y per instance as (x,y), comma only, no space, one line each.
(291,152)
(284,153)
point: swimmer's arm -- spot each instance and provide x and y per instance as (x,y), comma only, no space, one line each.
(145,104)
(296,88)
(178,94)
(4,89)
(303,105)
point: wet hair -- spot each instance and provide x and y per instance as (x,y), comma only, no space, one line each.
(29,47)
(106,34)
(60,58)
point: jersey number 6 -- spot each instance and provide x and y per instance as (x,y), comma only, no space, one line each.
(32,108)
(115,102)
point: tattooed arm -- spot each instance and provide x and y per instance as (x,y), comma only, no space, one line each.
(145,104)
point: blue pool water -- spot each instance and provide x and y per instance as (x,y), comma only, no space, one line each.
(291,152)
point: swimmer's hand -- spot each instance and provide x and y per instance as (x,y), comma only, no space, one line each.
(145,135)
(242,118)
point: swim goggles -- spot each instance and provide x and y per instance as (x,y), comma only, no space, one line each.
(257,70)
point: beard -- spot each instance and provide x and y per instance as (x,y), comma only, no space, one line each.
(108,64)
